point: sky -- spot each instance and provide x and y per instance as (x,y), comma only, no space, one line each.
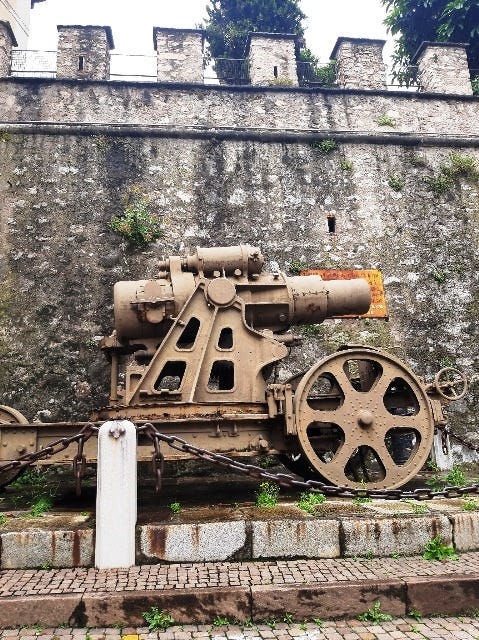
(132,23)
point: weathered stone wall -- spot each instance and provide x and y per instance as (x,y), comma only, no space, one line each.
(179,55)
(223,166)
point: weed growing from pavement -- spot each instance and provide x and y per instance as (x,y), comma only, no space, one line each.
(414,613)
(3,519)
(435,549)
(267,496)
(220,621)
(40,506)
(453,478)
(359,501)
(318,622)
(470,504)
(271,623)
(175,507)
(309,501)
(374,614)
(288,618)
(158,620)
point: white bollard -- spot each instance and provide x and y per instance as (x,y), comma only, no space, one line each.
(444,461)
(116,495)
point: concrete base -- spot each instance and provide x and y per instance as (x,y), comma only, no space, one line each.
(385,529)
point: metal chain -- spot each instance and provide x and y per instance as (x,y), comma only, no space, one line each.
(288,481)
(283,479)
(79,461)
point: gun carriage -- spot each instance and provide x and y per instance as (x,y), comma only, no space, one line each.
(194,351)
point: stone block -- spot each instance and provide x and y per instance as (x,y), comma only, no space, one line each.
(465,527)
(35,548)
(179,54)
(386,536)
(187,606)
(47,611)
(435,595)
(194,542)
(331,600)
(443,68)
(359,63)
(316,538)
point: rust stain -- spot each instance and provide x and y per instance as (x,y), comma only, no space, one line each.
(196,536)
(53,544)
(76,549)
(157,541)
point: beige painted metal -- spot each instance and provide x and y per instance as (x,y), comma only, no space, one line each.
(194,350)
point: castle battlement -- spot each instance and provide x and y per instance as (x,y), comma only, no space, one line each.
(84,53)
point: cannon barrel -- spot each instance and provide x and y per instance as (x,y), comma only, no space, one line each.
(274,301)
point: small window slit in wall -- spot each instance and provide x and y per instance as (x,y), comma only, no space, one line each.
(331,224)
(81,63)
(275,71)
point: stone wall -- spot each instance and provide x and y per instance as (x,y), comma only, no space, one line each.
(221,166)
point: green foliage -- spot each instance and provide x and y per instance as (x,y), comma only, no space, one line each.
(318,622)
(324,146)
(175,507)
(230,21)
(439,184)
(220,621)
(271,623)
(311,330)
(414,613)
(459,165)
(470,504)
(3,519)
(158,620)
(374,614)
(416,21)
(417,507)
(267,496)
(439,275)
(453,478)
(475,85)
(5,136)
(435,549)
(386,121)
(41,506)
(396,183)
(347,165)
(288,618)
(309,501)
(137,223)
(325,74)
(296,266)
(359,501)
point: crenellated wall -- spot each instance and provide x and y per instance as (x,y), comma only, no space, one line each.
(221,165)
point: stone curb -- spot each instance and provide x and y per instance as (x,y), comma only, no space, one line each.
(452,595)
(249,540)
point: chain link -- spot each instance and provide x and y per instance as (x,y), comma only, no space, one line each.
(288,481)
(253,471)
(79,461)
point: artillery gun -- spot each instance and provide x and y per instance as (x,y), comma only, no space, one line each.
(194,351)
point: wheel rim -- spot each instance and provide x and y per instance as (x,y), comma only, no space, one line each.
(11,416)
(364,419)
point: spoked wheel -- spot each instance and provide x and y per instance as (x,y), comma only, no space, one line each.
(10,416)
(364,419)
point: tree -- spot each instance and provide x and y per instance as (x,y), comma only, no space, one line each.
(230,21)
(417,21)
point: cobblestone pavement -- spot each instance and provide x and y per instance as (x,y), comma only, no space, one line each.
(31,582)
(463,628)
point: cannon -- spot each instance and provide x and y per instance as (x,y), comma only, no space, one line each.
(195,351)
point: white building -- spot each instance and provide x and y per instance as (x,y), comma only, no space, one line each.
(17,14)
